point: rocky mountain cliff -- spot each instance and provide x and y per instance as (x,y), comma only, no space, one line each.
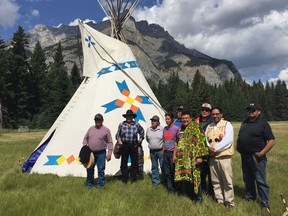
(157,53)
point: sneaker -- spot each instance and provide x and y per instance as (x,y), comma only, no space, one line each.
(265,205)
(99,186)
(229,206)
(89,186)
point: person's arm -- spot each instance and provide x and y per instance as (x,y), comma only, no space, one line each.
(175,152)
(227,140)
(141,133)
(147,131)
(207,141)
(270,140)
(109,145)
(118,134)
(86,138)
(266,149)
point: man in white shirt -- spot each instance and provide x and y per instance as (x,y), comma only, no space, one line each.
(220,135)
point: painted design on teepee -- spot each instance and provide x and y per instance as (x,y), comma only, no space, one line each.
(89,41)
(118,103)
(55,160)
(115,67)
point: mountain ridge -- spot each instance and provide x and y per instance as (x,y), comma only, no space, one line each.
(156,51)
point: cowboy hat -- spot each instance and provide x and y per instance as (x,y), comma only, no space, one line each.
(86,156)
(129,113)
(90,162)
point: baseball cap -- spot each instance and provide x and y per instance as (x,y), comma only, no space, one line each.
(180,108)
(155,118)
(98,117)
(254,106)
(206,105)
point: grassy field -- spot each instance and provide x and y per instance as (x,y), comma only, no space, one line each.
(24,194)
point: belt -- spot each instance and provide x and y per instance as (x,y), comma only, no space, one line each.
(130,142)
(155,150)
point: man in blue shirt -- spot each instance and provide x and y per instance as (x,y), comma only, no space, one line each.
(127,134)
(178,120)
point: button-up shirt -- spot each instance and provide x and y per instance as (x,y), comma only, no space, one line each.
(129,132)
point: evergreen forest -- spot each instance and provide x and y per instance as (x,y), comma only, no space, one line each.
(34,93)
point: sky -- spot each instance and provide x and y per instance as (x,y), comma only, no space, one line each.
(253,34)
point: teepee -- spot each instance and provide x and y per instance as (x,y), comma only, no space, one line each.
(113,84)
(118,12)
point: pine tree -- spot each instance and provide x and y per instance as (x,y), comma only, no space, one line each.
(38,75)
(75,77)
(201,93)
(59,85)
(16,80)
(270,100)
(281,97)
(3,72)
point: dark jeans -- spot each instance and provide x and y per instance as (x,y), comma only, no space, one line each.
(156,160)
(187,189)
(169,168)
(254,171)
(99,161)
(206,185)
(129,149)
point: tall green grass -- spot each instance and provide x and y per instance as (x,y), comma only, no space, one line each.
(25,194)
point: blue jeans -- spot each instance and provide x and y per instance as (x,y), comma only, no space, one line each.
(156,159)
(100,157)
(254,171)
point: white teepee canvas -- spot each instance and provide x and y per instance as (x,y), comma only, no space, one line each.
(113,84)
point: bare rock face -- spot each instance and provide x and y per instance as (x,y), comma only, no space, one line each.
(157,53)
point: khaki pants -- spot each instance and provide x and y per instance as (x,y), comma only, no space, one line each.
(221,177)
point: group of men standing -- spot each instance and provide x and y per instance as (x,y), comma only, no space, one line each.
(193,155)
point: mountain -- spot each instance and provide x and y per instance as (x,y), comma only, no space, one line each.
(156,51)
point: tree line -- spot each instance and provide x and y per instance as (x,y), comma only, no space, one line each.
(233,96)
(34,93)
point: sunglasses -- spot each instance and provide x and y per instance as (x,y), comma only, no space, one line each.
(205,110)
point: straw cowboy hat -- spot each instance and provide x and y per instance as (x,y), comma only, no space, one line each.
(129,113)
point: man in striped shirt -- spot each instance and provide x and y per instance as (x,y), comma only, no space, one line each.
(127,134)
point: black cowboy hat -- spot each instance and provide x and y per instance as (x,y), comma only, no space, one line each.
(129,113)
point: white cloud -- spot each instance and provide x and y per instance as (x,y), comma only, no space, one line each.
(283,76)
(35,13)
(75,22)
(252,34)
(9,13)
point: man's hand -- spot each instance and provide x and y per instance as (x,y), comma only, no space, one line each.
(212,151)
(198,160)
(174,158)
(108,158)
(259,154)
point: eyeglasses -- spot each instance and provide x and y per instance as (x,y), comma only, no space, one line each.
(205,110)
(215,114)
(154,120)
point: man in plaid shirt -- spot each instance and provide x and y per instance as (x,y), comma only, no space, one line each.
(127,134)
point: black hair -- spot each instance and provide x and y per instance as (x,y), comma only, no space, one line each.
(186,113)
(170,114)
(218,108)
